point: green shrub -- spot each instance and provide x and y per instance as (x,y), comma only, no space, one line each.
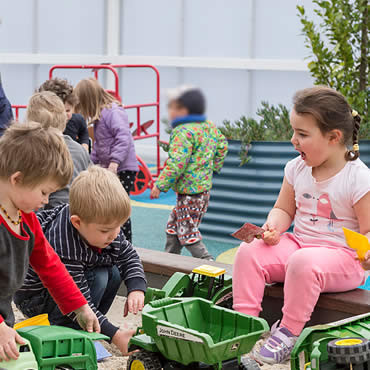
(274,125)
(339,48)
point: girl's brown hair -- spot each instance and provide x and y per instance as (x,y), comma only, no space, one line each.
(62,88)
(332,112)
(92,99)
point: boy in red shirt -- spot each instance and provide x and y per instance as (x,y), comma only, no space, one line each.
(34,162)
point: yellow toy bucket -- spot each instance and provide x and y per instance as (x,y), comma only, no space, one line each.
(41,320)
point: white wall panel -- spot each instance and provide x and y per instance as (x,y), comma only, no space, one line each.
(16,32)
(150,27)
(217,28)
(71,27)
(278,29)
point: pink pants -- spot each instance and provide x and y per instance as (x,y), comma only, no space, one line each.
(305,271)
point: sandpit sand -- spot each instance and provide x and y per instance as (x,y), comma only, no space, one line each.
(117,361)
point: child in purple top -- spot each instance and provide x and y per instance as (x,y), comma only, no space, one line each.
(113,142)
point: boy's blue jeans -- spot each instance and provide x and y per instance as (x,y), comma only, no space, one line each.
(104,283)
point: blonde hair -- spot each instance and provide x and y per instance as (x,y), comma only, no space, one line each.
(92,98)
(48,109)
(38,152)
(97,196)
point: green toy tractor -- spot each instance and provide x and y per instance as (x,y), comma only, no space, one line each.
(343,344)
(55,347)
(208,282)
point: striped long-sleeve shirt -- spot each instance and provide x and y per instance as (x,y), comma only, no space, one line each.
(78,257)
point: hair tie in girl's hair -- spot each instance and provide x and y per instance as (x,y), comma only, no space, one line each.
(356,148)
(354,113)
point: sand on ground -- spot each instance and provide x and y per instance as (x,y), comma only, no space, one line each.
(119,362)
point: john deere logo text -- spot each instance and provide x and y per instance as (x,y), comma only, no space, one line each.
(165,331)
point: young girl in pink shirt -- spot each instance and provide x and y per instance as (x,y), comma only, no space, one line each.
(325,188)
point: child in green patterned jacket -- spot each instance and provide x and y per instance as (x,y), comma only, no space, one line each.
(197,149)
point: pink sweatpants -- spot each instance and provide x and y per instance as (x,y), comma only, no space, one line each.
(305,271)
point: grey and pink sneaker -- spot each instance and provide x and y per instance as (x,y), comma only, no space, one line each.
(278,346)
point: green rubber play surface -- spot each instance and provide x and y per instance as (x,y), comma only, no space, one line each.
(149,220)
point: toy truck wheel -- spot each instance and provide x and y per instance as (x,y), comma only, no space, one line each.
(353,351)
(248,364)
(144,360)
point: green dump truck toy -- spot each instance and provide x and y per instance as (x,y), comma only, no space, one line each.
(342,344)
(193,333)
(205,281)
(55,347)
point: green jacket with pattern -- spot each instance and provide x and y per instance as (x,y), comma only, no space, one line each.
(197,149)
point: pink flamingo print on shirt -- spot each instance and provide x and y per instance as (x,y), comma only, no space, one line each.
(324,209)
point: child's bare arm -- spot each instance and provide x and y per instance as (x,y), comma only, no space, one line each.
(281,216)
(361,209)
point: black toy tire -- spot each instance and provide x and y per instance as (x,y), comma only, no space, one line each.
(248,364)
(149,360)
(354,354)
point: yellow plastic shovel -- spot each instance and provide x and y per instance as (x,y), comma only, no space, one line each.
(35,320)
(357,241)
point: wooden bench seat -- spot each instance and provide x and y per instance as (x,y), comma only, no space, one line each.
(330,307)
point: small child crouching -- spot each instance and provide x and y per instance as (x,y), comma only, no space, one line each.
(87,236)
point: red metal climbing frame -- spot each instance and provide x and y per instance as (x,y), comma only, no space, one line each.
(144,178)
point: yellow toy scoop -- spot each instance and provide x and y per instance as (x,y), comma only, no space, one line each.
(357,241)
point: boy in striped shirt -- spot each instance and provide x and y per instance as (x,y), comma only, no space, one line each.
(86,235)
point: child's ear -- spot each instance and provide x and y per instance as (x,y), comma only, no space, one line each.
(76,221)
(336,136)
(16,178)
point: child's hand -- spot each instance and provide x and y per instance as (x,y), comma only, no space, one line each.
(366,262)
(113,166)
(154,194)
(8,343)
(87,319)
(271,236)
(134,302)
(121,339)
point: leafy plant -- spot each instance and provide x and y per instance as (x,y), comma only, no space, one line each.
(168,129)
(340,51)
(274,125)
